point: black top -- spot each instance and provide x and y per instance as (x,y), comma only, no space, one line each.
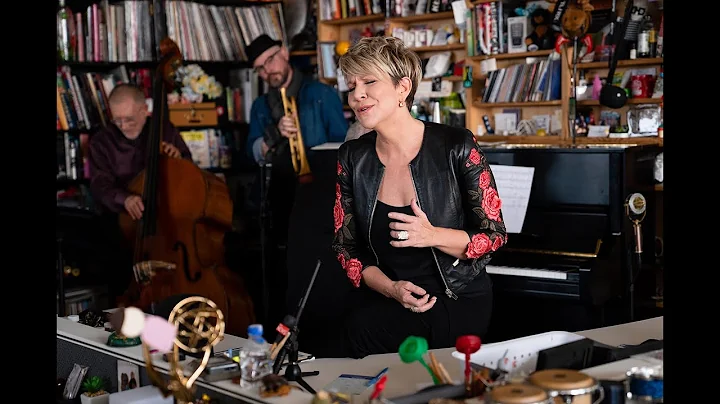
(416,265)
(412,264)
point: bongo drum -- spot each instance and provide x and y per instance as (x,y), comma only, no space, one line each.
(645,384)
(567,386)
(517,393)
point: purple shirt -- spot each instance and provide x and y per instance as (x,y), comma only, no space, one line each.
(116,160)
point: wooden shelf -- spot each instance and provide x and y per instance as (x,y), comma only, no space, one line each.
(516,104)
(621,63)
(439,48)
(342,29)
(304,53)
(448,78)
(518,139)
(421,17)
(521,55)
(355,20)
(556,140)
(647,140)
(631,101)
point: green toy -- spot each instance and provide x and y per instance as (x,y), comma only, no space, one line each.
(412,350)
(117,340)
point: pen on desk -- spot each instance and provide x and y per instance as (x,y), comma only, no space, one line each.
(376,378)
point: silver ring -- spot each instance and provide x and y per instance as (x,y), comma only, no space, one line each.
(403,235)
(413,309)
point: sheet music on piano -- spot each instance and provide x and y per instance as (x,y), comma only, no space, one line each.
(513,184)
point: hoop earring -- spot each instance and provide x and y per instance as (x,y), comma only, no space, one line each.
(401,104)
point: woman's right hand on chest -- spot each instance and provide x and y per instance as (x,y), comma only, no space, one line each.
(403,291)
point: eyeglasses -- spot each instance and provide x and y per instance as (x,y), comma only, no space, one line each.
(267,62)
(129,121)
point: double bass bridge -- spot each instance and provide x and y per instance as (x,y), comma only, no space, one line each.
(145,270)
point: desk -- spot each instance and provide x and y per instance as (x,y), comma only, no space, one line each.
(402,378)
(411,376)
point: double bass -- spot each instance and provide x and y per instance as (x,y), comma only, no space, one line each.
(178,244)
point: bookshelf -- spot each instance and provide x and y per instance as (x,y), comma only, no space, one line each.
(121,46)
(340,28)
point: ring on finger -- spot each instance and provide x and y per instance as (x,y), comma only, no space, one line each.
(403,235)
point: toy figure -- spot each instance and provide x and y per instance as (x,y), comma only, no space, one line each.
(575,24)
(542,37)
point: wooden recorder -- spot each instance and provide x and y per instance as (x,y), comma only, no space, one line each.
(297,147)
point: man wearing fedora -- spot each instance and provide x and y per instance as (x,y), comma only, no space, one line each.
(321,118)
(319,106)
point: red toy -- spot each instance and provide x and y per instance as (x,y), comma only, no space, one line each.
(379,387)
(468,345)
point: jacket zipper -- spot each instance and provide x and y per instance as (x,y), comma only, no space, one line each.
(448,292)
(372,214)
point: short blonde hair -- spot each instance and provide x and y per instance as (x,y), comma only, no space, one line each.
(383,55)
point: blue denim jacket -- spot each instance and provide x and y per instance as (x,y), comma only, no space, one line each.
(320,112)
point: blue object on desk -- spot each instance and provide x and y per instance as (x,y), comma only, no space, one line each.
(353,384)
(377,378)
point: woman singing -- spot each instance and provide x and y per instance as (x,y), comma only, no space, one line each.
(417,212)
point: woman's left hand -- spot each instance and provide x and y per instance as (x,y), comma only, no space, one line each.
(420,233)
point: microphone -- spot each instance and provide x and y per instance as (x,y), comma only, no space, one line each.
(284,330)
(635,206)
(611,95)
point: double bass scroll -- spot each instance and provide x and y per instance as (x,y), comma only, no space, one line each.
(178,244)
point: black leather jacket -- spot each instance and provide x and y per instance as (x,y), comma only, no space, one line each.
(454,186)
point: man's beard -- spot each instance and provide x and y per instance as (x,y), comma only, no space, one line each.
(283,78)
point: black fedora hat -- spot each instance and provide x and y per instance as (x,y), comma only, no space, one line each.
(260,45)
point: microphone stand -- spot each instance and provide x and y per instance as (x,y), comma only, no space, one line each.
(573,98)
(293,372)
(61,281)
(636,214)
(265,177)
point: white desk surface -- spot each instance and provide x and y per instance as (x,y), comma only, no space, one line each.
(402,378)
(96,338)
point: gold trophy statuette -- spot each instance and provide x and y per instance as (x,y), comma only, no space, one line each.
(200,326)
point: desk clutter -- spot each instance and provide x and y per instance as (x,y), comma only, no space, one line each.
(546,368)
(539,369)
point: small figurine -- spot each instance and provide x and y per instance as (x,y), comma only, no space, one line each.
(92,318)
(575,23)
(542,36)
(275,386)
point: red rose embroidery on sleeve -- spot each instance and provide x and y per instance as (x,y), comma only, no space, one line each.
(338,213)
(474,158)
(341,260)
(353,267)
(339,169)
(484,181)
(491,204)
(478,246)
(497,243)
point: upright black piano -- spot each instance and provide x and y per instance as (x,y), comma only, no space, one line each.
(570,266)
